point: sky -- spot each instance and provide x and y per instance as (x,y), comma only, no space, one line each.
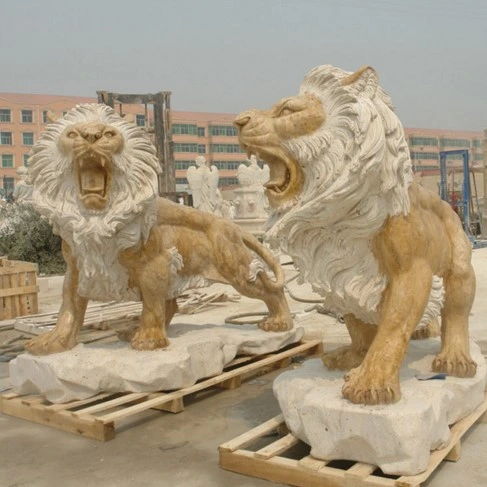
(227,56)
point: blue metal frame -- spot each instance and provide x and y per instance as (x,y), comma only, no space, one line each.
(464,202)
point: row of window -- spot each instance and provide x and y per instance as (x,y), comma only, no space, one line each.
(435,142)
(7,160)
(26,116)
(223,165)
(221,182)
(7,139)
(189,147)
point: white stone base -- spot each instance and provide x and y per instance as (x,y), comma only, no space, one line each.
(195,352)
(398,437)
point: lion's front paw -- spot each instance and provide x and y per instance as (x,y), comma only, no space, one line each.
(149,339)
(458,364)
(276,323)
(363,388)
(343,358)
(50,342)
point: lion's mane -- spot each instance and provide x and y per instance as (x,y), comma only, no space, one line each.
(97,237)
(357,172)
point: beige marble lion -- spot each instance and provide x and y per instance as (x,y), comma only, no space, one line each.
(95,178)
(386,253)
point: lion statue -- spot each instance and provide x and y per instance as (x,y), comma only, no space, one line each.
(95,177)
(384,252)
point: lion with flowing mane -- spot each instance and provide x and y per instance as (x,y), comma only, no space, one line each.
(383,251)
(95,177)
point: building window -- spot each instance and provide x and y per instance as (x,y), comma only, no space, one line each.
(228,182)
(184,164)
(424,155)
(475,142)
(225,130)
(5,115)
(432,141)
(184,129)
(27,138)
(8,185)
(140,120)
(45,119)
(25,159)
(201,149)
(228,165)
(185,147)
(181,181)
(454,143)
(228,148)
(5,138)
(7,160)
(201,131)
(26,116)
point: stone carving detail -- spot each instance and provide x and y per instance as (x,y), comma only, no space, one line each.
(384,252)
(203,181)
(22,191)
(95,178)
(250,200)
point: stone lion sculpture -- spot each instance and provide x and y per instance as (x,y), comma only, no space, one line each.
(383,251)
(95,178)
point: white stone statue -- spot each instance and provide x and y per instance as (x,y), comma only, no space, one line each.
(23,191)
(203,181)
(251,201)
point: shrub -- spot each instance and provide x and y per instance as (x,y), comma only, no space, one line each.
(26,236)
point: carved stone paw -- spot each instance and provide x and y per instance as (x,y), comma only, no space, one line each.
(149,339)
(343,358)
(370,389)
(458,364)
(50,342)
(276,324)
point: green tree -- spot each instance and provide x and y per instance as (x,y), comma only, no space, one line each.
(27,236)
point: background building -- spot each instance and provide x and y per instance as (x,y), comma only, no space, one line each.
(24,116)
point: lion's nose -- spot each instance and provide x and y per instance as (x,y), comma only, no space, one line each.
(91,135)
(242,119)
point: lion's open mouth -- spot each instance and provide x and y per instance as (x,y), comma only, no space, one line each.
(285,178)
(93,179)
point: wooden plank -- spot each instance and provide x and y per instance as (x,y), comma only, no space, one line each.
(355,476)
(455,453)
(175,406)
(73,404)
(277,447)
(62,420)
(19,290)
(210,382)
(287,471)
(250,436)
(311,463)
(103,406)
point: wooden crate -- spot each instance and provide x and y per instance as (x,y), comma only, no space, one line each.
(270,452)
(18,289)
(96,417)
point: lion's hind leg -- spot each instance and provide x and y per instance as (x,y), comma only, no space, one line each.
(454,357)
(351,356)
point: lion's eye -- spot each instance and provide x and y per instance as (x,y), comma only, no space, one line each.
(72,134)
(286,111)
(109,134)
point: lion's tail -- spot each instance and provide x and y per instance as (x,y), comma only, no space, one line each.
(253,244)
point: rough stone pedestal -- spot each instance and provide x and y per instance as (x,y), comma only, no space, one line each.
(195,352)
(398,437)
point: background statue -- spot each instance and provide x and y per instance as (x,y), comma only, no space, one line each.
(23,191)
(252,179)
(203,181)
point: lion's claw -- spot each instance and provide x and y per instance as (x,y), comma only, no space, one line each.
(457,365)
(276,324)
(50,342)
(360,388)
(151,339)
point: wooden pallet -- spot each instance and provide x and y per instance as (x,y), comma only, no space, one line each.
(18,289)
(258,453)
(96,417)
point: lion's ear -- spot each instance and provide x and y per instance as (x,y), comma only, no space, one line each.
(363,82)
